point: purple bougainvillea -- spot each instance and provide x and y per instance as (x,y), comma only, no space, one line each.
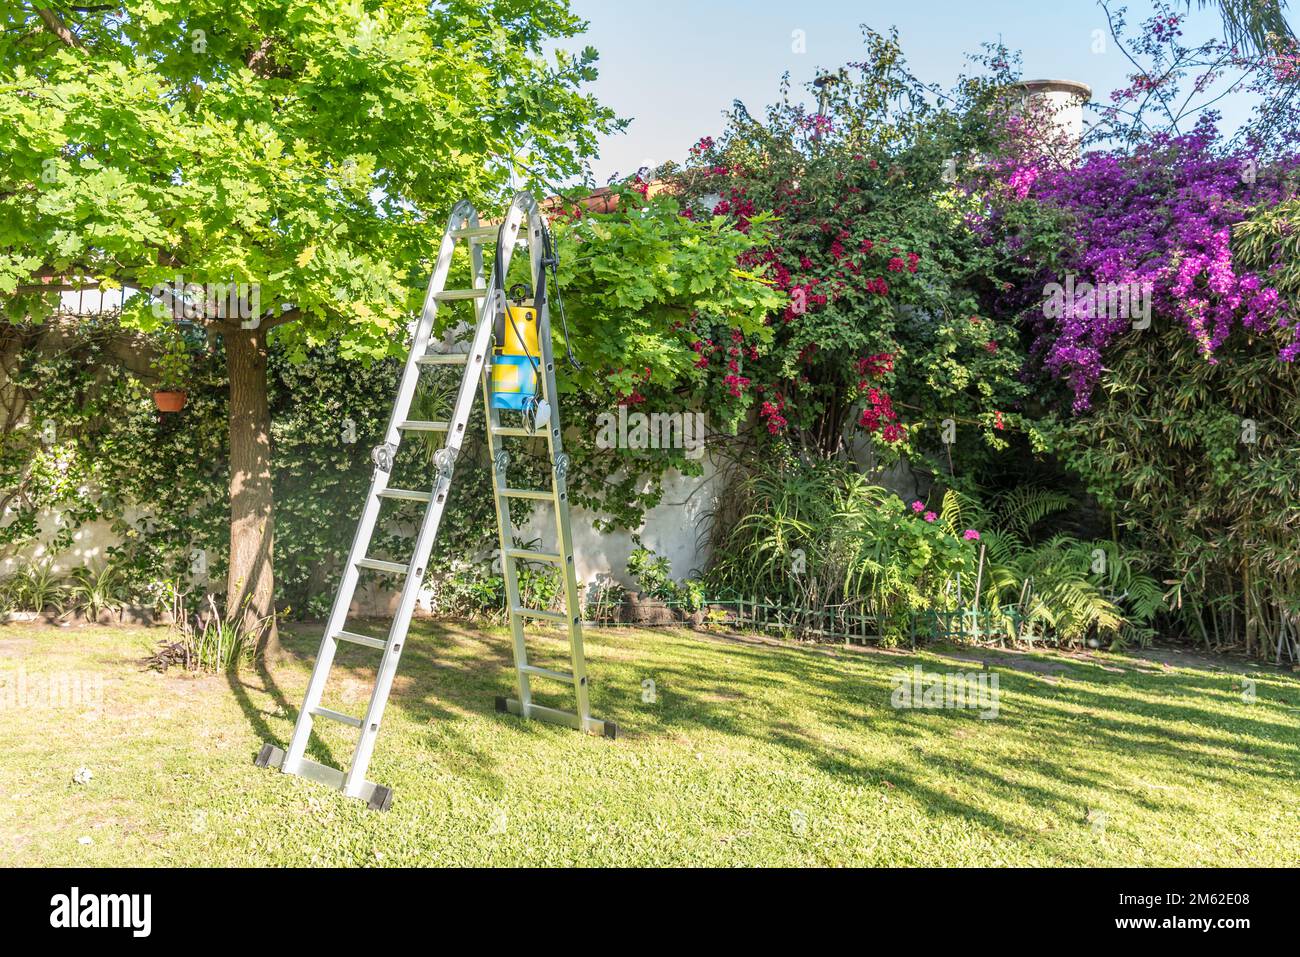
(1159,219)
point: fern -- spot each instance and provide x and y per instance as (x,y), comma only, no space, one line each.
(1025,506)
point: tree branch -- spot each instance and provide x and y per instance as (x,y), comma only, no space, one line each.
(58,27)
(259,61)
(285,317)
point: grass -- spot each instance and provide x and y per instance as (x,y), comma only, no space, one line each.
(750,755)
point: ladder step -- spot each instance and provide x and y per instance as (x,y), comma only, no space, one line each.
(406,494)
(528,555)
(517,431)
(416,425)
(455,295)
(540,495)
(546,673)
(443,359)
(378,565)
(337,716)
(538,613)
(361,640)
(476,232)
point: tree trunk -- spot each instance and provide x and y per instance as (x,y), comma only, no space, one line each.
(250,588)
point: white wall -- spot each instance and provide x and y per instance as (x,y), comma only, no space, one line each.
(676,529)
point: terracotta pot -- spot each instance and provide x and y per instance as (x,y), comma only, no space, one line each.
(169,401)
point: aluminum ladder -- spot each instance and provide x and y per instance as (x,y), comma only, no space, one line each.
(523,222)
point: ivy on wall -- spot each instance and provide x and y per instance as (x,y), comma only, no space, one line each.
(82,440)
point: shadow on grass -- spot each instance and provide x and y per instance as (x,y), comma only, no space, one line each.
(1103,710)
(448,670)
(427,676)
(254,715)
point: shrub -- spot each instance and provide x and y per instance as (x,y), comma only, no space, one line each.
(35,587)
(820,534)
(95,590)
(654,574)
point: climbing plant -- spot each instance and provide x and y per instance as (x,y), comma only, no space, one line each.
(83,442)
(883,331)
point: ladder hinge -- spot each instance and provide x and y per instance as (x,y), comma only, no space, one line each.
(445,460)
(383,456)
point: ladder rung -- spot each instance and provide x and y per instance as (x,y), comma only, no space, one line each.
(540,495)
(555,558)
(416,425)
(476,232)
(546,673)
(406,494)
(337,716)
(321,774)
(538,613)
(454,295)
(443,359)
(590,725)
(362,640)
(381,566)
(516,431)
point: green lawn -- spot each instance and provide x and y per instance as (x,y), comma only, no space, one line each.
(751,754)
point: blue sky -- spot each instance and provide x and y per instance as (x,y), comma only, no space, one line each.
(673,66)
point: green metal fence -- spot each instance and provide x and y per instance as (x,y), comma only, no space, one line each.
(849,623)
(968,624)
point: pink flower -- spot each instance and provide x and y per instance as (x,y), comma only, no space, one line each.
(930,516)
(971,535)
(918,506)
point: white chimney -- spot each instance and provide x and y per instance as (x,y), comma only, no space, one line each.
(1063,100)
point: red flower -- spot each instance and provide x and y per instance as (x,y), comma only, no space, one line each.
(735,384)
(771,411)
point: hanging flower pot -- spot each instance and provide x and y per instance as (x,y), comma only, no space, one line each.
(172,366)
(168,400)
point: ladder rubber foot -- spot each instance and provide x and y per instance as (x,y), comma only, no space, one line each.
(501,705)
(611,730)
(269,757)
(381,799)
